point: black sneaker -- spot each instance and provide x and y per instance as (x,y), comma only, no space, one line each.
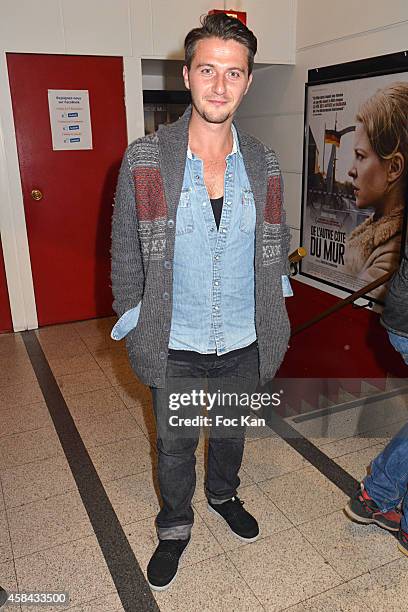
(163,565)
(363,509)
(241,523)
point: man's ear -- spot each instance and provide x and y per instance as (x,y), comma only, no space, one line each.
(396,167)
(185,77)
(249,83)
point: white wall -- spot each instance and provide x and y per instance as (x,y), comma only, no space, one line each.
(132,29)
(327,33)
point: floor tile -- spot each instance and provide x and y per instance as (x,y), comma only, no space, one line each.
(119,375)
(5,544)
(95,327)
(18,395)
(94,404)
(63,350)
(11,344)
(133,497)
(24,418)
(357,464)
(211,585)
(108,428)
(304,495)
(23,484)
(18,374)
(111,358)
(110,603)
(99,341)
(134,394)
(72,384)
(57,333)
(144,417)
(122,458)
(348,597)
(77,567)
(75,364)
(143,539)
(269,517)
(386,587)
(47,523)
(8,581)
(21,448)
(270,457)
(283,569)
(351,549)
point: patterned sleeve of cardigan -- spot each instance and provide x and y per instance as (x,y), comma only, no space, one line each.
(127,266)
(275,212)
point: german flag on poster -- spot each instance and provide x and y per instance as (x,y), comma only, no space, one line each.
(332,137)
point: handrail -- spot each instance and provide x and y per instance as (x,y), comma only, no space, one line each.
(344,302)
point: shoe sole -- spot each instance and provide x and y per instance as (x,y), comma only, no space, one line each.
(166,586)
(367,521)
(231,530)
(402,549)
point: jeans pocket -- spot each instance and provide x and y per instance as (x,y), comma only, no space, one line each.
(248,213)
(184,218)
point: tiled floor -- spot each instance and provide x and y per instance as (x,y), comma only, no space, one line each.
(309,557)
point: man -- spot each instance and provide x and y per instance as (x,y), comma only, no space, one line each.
(379,496)
(199,247)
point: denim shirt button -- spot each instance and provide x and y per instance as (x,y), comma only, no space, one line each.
(223,230)
(162,355)
(216,307)
(216,283)
(216,257)
(170,223)
(167,265)
(166,296)
(212,229)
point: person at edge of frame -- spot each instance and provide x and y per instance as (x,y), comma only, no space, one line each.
(199,264)
(379,496)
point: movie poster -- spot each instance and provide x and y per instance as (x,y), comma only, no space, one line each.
(353,200)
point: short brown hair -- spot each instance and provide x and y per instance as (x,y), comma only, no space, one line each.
(222,26)
(385,119)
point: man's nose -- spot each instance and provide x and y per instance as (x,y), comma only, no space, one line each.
(219,84)
(352,172)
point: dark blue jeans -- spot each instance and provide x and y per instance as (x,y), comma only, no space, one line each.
(388,482)
(200,390)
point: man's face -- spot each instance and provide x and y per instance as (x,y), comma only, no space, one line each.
(218,78)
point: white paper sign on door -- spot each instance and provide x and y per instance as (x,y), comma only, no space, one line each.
(70,119)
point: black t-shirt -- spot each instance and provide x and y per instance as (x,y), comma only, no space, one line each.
(217,209)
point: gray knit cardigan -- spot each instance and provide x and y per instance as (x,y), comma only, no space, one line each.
(143,234)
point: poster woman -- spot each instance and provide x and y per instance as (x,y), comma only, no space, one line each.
(379,176)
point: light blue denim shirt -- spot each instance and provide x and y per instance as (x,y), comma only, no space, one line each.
(213,270)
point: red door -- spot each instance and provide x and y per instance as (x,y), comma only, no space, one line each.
(69,228)
(5,314)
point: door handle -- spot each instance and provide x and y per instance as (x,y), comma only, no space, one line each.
(36,194)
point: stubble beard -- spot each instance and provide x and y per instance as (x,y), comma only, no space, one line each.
(208,117)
